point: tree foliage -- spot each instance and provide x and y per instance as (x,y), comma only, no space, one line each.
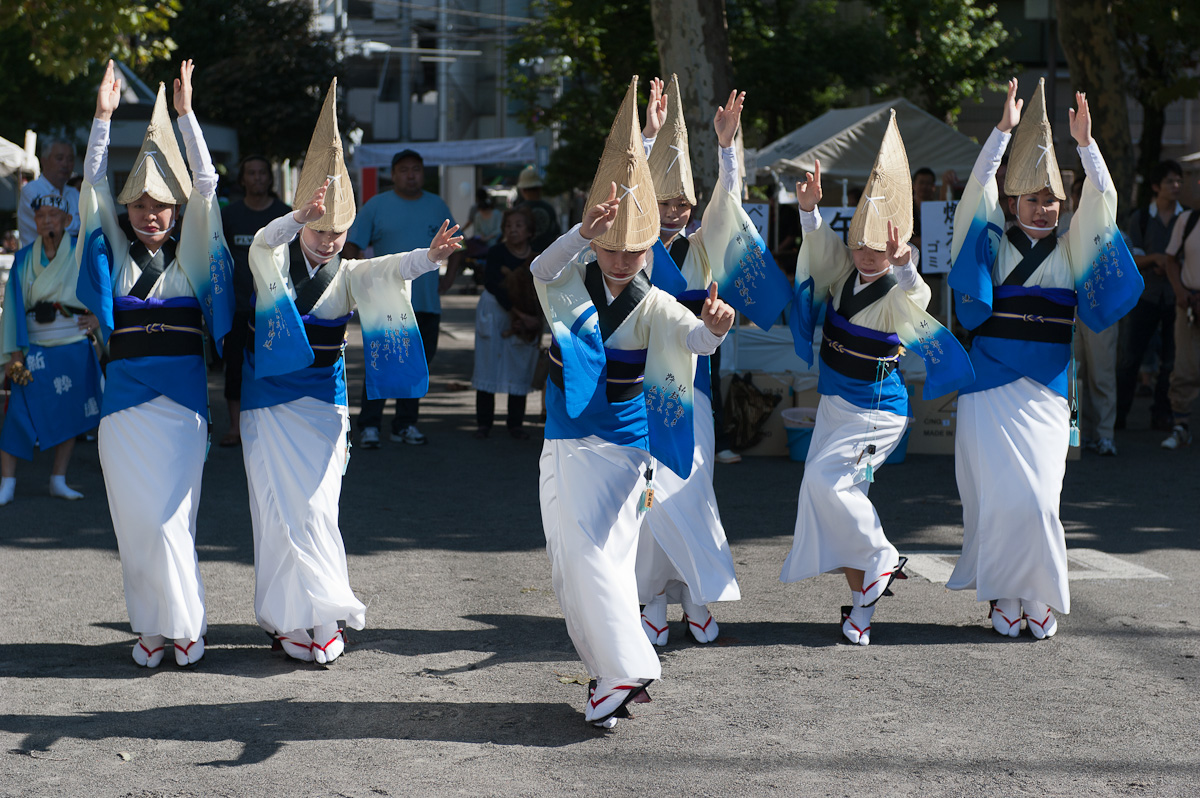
(939,53)
(571,68)
(1159,45)
(795,59)
(49,49)
(260,69)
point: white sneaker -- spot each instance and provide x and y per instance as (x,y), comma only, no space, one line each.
(728,456)
(1180,436)
(369,438)
(8,489)
(1105,447)
(410,435)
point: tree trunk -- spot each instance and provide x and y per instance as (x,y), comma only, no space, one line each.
(693,42)
(1154,120)
(1085,30)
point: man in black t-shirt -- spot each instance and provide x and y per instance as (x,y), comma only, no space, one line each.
(241,220)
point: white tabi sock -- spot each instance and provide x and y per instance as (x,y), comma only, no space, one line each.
(297,644)
(1006,617)
(328,643)
(857,627)
(654,620)
(59,489)
(701,624)
(188,652)
(148,650)
(8,487)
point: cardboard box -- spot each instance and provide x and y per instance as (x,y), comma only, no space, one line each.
(934,422)
(774,440)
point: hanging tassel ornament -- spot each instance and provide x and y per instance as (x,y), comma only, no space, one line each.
(1074,390)
(647,499)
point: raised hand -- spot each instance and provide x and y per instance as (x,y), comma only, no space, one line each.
(109,95)
(656,109)
(315,207)
(599,218)
(898,252)
(1081,121)
(728,117)
(1011,114)
(808,193)
(183,88)
(716,314)
(445,243)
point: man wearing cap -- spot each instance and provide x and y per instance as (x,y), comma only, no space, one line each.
(294,419)
(52,367)
(153,297)
(58,162)
(402,220)
(1019,292)
(545,218)
(619,405)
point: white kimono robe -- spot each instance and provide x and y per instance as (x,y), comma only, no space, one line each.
(296,450)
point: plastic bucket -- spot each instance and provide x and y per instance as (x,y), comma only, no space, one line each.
(798,422)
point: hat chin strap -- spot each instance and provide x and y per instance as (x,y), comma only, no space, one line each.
(155,232)
(1037,229)
(320,260)
(621,280)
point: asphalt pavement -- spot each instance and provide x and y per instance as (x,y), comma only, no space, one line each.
(465,682)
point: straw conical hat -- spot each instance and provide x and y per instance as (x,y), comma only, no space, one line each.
(670,162)
(888,196)
(1032,165)
(624,163)
(159,169)
(323,161)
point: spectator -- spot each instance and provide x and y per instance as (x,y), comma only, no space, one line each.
(1183,272)
(1148,232)
(529,183)
(484,223)
(924,183)
(1096,354)
(241,220)
(10,243)
(58,162)
(402,220)
(52,366)
(506,337)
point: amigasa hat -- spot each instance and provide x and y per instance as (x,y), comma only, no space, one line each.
(670,161)
(326,161)
(888,196)
(624,163)
(1032,165)
(159,169)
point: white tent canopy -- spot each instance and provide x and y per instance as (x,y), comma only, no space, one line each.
(469,152)
(846,140)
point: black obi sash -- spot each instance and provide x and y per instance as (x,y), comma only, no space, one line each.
(156,332)
(46,312)
(1027,317)
(869,355)
(625,369)
(326,341)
